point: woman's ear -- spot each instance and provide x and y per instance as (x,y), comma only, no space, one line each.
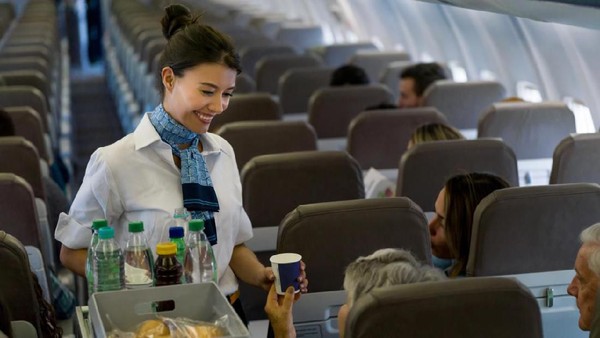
(168,78)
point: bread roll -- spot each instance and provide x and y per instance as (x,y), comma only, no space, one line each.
(152,328)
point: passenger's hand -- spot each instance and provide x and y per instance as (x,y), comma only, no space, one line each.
(302,278)
(279,311)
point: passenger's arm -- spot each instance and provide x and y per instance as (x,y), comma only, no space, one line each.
(279,311)
(246,267)
(74,259)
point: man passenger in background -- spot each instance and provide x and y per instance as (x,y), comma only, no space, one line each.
(414,80)
(584,286)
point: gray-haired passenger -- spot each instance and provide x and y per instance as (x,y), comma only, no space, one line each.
(584,286)
(384,267)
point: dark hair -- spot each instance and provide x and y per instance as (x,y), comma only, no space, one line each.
(190,43)
(48,317)
(424,75)
(7,126)
(463,194)
(349,75)
(5,318)
(435,132)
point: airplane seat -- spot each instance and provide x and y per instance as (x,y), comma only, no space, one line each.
(253,138)
(28,124)
(390,76)
(34,98)
(31,78)
(244,84)
(531,229)
(569,158)
(331,235)
(532,130)
(248,107)
(424,169)
(269,69)
(252,54)
(297,85)
(465,308)
(300,36)
(463,102)
(375,62)
(331,109)
(36,262)
(387,131)
(338,54)
(17,287)
(273,185)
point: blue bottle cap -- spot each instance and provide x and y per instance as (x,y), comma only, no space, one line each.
(176,232)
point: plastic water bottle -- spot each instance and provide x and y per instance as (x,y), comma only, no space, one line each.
(200,265)
(109,273)
(176,236)
(89,263)
(182,217)
(167,270)
(139,269)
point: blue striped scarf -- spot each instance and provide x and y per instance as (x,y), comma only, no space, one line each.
(199,196)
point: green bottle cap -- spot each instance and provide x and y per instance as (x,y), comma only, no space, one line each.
(136,226)
(106,233)
(99,223)
(196,225)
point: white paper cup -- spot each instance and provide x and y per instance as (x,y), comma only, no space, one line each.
(286,267)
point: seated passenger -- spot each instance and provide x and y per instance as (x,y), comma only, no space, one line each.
(434,132)
(414,80)
(384,267)
(451,226)
(348,75)
(586,282)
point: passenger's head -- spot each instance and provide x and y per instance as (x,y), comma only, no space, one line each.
(584,285)
(451,226)
(434,132)
(198,66)
(7,127)
(385,267)
(349,75)
(414,80)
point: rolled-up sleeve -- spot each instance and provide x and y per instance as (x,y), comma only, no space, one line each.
(97,198)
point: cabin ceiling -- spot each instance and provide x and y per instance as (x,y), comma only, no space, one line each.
(584,13)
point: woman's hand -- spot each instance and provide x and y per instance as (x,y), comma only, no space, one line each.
(279,311)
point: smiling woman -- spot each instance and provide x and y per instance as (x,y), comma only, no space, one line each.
(171,161)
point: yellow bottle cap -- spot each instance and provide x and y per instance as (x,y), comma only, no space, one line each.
(166,248)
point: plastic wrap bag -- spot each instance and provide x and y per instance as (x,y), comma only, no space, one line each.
(163,327)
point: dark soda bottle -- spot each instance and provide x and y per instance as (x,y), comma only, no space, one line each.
(167,270)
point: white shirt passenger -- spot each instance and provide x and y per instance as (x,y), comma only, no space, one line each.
(136,179)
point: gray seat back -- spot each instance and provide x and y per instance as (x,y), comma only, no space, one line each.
(31,78)
(358,228)
(375,62)
(20,157)
(252,54)
(244,84)
(531,229)
(26,96)
(388,131)
(18,211)
(274,185)
(252,138)
(338,54)
(28,124)
(270,68)
(465,308)
(297,85)
(425,168)
(576,159)
(463,102)
(16,282)
(532,130)
(248,107)
(301,37)
(331,109)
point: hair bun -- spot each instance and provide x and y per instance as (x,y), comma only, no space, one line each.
(176,18)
